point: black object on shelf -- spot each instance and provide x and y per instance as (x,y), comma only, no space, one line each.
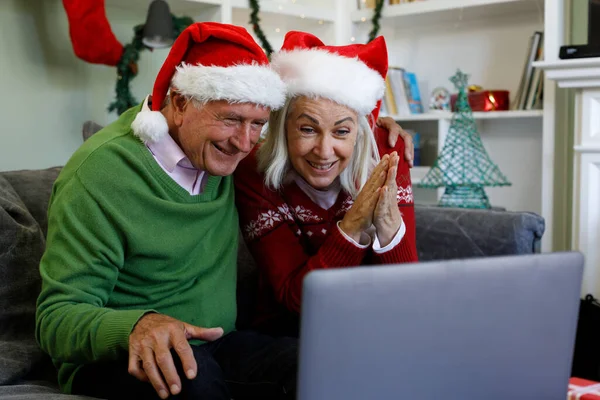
(579,51)
(592,48)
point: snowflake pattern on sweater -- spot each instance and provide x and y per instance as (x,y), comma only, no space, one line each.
(268,220)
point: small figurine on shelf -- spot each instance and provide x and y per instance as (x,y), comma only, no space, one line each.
(440,99)
(463,167)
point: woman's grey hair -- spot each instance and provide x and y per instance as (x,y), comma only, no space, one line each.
(273,157)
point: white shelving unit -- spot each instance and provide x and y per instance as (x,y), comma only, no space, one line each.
(487,39)
(291,9)
(418,173)
(446,115)
(436,11)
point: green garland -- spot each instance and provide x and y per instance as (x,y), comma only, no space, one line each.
(127,66)
(255,21)
(375,20)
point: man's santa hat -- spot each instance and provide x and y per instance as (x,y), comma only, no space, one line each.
(352,75)
(211,61)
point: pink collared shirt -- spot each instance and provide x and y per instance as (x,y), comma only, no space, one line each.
(175,163)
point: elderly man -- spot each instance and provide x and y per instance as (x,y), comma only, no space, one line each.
(139,274)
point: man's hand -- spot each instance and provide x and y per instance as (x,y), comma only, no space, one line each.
(150,346)
(360,216)
(387,218)
(396,130)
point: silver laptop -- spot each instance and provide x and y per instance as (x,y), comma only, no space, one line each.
(494,328)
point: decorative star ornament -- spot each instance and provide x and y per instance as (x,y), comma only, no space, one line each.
(460,79)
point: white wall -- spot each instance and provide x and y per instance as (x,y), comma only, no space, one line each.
(48,93)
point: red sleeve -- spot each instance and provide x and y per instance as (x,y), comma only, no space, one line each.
(272,237)
(406,251)
(91,35)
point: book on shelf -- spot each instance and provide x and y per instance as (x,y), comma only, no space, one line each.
(530,91)
(413,93)
(402,94)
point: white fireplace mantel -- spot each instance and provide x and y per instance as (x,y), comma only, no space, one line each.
(583,75)
(574,73)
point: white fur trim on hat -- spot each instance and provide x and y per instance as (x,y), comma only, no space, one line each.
(149,126)
(250,83)
(320,73)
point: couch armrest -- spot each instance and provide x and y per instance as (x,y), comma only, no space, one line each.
(449,233)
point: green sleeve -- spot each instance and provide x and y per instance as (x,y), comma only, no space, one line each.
(83,257)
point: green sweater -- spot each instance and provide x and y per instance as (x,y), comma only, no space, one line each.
(125,239)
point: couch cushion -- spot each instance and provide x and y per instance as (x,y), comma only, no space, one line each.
(21,247)
(34,188)
(451,233)
(36,390)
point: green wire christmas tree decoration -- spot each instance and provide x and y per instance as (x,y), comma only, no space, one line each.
(463,167)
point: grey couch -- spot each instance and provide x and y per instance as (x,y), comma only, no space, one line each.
(26,373)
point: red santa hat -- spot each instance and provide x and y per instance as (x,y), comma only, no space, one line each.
(211,61)
(352,75)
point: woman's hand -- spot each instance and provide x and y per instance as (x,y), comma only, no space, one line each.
(360,215)
(386,217)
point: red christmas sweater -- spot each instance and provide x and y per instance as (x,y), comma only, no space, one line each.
(289,235)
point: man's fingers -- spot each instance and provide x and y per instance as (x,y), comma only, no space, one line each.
(392,127)
(206,334)
(186,355)
(409,147)
(164,360)
(151,370)
(135,368)
(409,154)
(393,135)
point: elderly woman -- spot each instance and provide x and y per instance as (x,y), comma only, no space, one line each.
(323,190)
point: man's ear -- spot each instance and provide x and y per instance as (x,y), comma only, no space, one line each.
(179,104)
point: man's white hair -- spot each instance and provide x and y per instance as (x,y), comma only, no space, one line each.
(273,157)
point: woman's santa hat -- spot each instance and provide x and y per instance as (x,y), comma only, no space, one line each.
(211,61)
(352,75)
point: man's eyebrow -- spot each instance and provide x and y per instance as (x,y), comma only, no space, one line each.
(345,119)
(232,115)
(309,117)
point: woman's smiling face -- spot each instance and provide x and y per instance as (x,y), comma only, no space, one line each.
(321,135)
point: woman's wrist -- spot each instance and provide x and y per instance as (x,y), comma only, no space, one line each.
(387,231)
(350,231)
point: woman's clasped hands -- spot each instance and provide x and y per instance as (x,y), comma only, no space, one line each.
(376,205)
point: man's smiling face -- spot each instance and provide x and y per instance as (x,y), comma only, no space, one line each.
(216,136)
